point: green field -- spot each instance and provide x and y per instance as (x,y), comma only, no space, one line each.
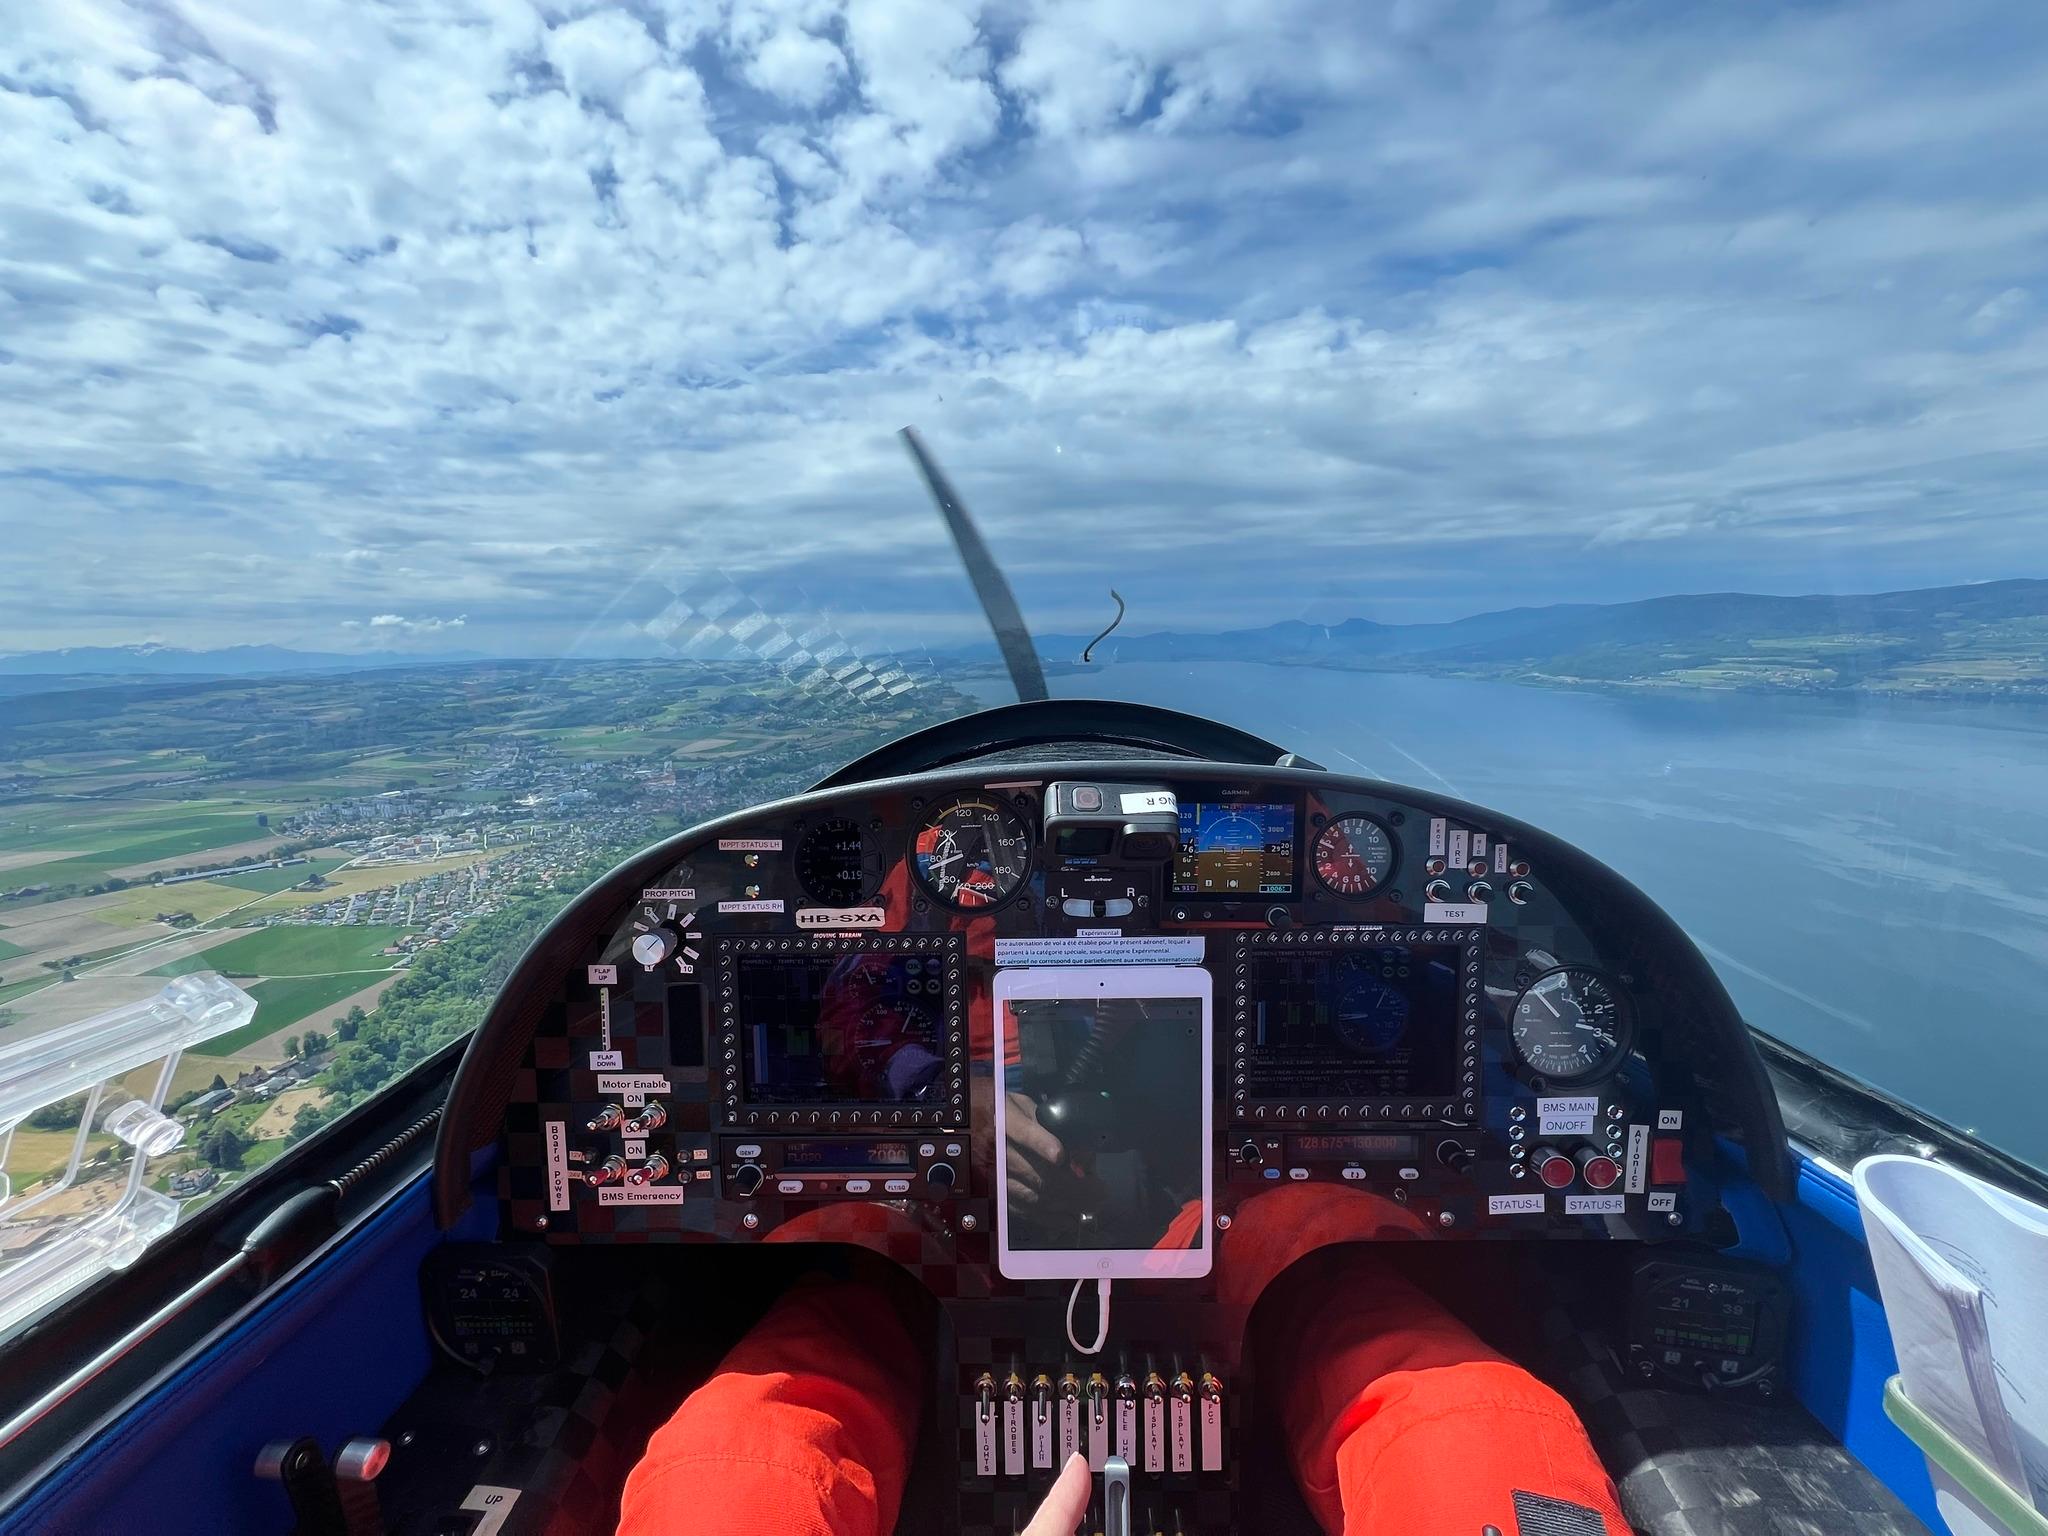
(136,834)
(282,1003)
(10,951)
(270,880)
(294,951)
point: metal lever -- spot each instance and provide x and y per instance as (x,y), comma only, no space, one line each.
(1116,1497)
(308,1483)
(356,1466)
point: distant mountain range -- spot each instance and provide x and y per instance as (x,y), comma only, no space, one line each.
(1989,639)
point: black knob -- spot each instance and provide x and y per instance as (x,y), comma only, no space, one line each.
(1251,1154)
(1437,890)
(1455,1155)
(1277,917)
(747,1178)
(940,1177)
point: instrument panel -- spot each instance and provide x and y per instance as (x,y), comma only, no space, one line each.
(825,1020)
(1415,1001)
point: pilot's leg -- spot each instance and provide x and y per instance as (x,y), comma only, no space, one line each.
(806,1427)
(1400,1420)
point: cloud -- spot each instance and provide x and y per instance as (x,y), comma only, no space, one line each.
(398,622)
(345,311)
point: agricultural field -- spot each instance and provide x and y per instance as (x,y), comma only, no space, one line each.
(294,951)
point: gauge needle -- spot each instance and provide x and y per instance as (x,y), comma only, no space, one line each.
(1544,999)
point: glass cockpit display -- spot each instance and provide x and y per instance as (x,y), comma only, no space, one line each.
(865,1028)
(1104,1142)
(1234,849)
(1378,1023)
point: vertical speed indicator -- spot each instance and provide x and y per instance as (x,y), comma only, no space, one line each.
(972,852)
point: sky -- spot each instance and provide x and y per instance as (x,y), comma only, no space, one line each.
(467,324)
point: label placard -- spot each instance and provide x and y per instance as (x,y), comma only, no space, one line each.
(762,905)
(607,1061)
(603,975)
(1514,1205)
(1456,856)
(839,917)
(1147,800)
(1155,1434)
(1454,912)
(645,1194)
(984,1442)
(1667,1201)
(1670,1119)
(1013,1437)
(668,893)
(558,1165)
(1500,858)
(1594,1205)
(632,1082)
(1041,1433)
(1436,836)
(1212,1434)
(1147,949)
(494,1504)
(1070,1429)
(1180,1434)
(1636,1166)
(750,845)
(1567,1115)
(1127,1430)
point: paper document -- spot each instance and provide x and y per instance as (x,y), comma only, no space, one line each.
(1963,1268)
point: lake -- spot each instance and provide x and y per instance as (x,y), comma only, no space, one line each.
(1870,878)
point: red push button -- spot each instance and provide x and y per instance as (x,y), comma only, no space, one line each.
(1553,1167)
(1667,1160)
(1598,1169)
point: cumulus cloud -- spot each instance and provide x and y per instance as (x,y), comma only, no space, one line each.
(330,314)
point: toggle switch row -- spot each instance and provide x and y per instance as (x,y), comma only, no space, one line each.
(1158,1423)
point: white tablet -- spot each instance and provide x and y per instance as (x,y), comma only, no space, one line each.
(1103,1166)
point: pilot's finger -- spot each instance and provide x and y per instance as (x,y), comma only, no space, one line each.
(1065,1503)
(1025,1177)
(1023,1130)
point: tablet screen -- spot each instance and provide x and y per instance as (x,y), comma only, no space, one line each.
(1104,1145)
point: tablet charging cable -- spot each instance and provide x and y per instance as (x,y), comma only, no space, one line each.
(1101,1317)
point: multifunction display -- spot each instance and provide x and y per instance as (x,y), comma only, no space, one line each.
(863,1028)
(1377,1023)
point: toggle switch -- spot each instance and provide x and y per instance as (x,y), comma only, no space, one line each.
(606,1118)
(610,1171)
(1013,1425)
(1125,1438)
(652,1118)
(1041,1421)
(1155,1422)
(654,1169)
(1069,1418)
(985,1425)
(1180,1423)
(1098,1420)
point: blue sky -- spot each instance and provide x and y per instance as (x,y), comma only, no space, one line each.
(442,324)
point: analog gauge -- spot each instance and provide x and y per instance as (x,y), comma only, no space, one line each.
(1353,855)
(973,852)
(1571,1023)
(829,862)
(1372,1015)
